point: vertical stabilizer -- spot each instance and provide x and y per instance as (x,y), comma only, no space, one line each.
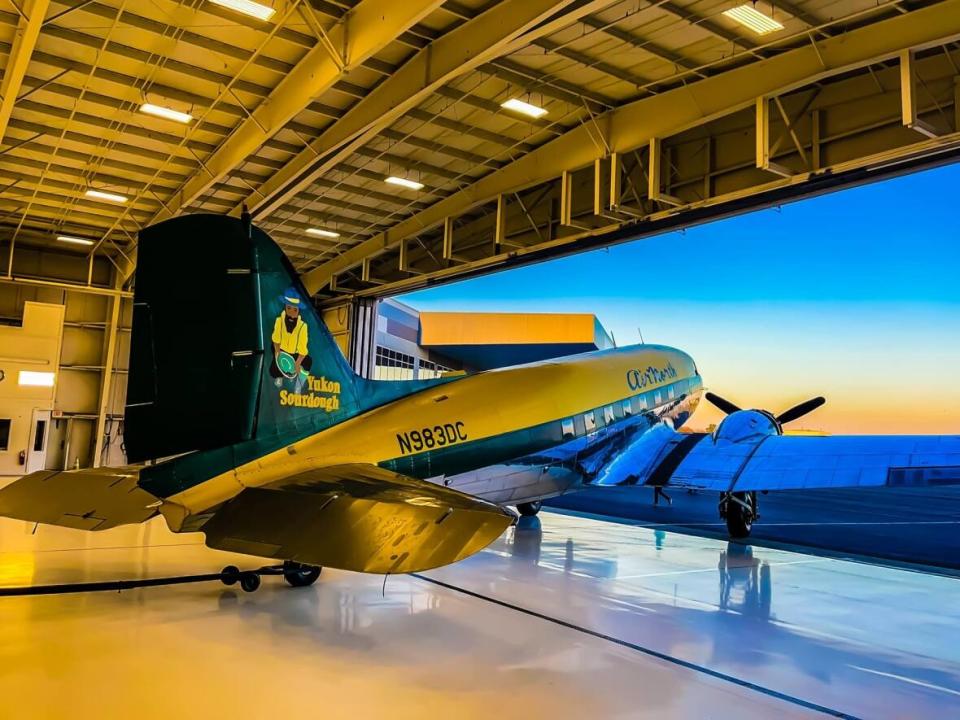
(226,345)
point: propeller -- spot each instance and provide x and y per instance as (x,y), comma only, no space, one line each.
(794,413)
(798,411)
(725,405)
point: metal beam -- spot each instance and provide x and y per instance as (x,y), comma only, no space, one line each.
(709,25)
(655,176)
(763,141)
(501,29)
(956,104)
(908,96)
(365,30)
(63,285)
(110,349)
(641,43)
(672,112)
(24,41)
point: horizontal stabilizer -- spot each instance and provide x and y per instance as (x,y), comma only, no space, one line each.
(357,517)
(94,499)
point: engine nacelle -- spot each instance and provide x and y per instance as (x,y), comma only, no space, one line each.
(745,425)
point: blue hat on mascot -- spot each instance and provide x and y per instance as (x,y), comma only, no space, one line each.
(292,297)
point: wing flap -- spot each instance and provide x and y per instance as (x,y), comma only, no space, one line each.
(357,517)
(93,499)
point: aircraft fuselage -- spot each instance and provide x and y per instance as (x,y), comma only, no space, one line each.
(508,435)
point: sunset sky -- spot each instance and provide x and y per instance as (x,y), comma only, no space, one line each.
(854,296)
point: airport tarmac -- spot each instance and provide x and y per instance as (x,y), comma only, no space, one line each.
(562,617)
(904,525)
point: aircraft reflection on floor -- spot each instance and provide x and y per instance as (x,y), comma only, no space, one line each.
(525,541)
(867,640)
(746,585)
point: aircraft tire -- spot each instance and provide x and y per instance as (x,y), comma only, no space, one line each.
(298,575)
(229,575)
(249,581)
(529,509)
(739,521)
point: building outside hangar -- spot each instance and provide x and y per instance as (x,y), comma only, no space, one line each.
(413,345)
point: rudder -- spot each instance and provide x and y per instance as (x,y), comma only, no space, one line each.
(211,295)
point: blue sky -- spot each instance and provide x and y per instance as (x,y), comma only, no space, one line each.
(854,295)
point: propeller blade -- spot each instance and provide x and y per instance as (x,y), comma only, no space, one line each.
(798,411)
(725,405)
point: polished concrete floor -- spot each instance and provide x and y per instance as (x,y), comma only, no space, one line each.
(564,617)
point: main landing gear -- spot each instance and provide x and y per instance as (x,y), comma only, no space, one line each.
(296,575)
(529,509)
(739,509)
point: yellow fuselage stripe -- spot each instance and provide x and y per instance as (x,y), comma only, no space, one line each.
(488,404)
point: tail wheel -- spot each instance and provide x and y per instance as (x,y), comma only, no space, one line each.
(529,509)
(229,575)
(298,575)
(249,581)
(740,515)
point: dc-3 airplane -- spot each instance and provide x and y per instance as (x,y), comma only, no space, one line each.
(275,448)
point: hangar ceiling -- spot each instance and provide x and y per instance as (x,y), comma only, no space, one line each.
(657,113)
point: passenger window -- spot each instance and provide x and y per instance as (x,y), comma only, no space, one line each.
(627,409)
(608,415)
(636,404)
(569,432)
(579,425)
(657,399)
(590,421)
(618,410)
(670,392)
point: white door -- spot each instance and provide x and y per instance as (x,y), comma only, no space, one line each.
(37,449)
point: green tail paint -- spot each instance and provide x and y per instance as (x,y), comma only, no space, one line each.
(229,359)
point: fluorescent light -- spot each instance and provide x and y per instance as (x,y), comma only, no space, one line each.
(322,233)
(518,105)
(748,15)
(166,113)
(100,195)
(74,240)
(403,182)
(247,7)
(35,379)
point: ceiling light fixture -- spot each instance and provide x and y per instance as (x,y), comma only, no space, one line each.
(518,105)
(322,233)
(31,378)
(748,15)
(247,7)
(74,240)
(166,113)
(111,197)
(404,182)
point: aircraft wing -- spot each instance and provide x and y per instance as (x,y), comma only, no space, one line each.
(784,462)
(91,499)
(797,462)
(357,517)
